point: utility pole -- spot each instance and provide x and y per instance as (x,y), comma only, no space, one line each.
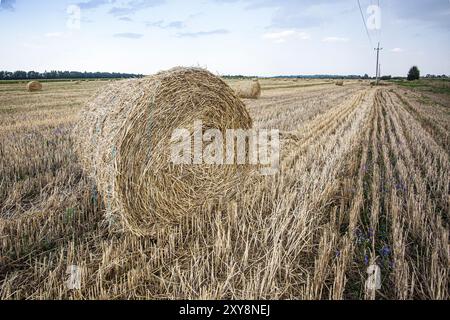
(378,57)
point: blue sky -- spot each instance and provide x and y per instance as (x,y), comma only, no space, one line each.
(252,37)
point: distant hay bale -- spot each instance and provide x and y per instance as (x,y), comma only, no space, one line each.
(76,82)
(249,89)
(33,86)
(123,140)
(339,83)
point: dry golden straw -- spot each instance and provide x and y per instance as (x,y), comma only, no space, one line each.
(249,89)
(123,139)
(339,83)
(34,86)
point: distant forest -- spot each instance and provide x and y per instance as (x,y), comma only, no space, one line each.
(55,75)
(31,75)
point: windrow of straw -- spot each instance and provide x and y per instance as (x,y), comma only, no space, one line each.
(124,137)
(249,89)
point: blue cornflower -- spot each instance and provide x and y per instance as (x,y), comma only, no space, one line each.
(385,251)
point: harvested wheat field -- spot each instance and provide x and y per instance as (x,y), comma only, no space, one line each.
(364,180)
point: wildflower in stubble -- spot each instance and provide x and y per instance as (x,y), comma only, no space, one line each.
(385,251)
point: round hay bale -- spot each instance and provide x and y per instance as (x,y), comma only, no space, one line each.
(123,139)
(339,83)
(249,89)
(34,86)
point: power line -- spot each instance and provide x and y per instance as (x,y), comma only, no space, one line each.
(364,22)
(378,65)
(378,49)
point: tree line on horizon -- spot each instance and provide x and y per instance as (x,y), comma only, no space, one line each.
(54,74)
(413,74)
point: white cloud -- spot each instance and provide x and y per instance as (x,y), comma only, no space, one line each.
(335,39)
(54,34)
(397,50)
(29,45)
(128,35)
(283,36)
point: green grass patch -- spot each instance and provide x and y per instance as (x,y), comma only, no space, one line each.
(435,86)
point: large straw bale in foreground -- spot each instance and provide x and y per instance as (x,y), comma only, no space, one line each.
(249,89)
(34,86)
(123,140)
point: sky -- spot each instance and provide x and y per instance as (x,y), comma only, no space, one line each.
(249,37)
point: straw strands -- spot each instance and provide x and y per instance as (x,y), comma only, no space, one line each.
(123,139)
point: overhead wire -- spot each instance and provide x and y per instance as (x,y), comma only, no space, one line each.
(365,24)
